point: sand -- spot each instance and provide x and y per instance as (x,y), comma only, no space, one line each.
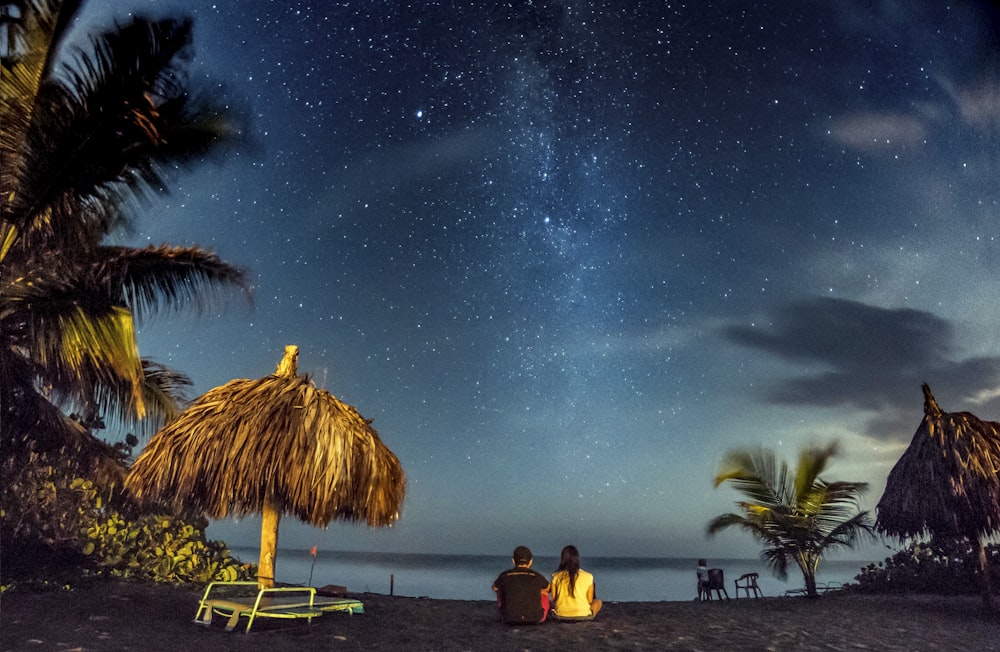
(107,615)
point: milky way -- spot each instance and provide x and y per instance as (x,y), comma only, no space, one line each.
(567,254)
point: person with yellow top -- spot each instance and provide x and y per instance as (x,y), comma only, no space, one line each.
(572,589)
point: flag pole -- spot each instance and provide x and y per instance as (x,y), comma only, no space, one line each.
(313,553)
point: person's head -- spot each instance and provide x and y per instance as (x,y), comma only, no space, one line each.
(569,561)
(702,562)
(522,556)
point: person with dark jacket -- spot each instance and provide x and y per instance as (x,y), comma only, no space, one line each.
(522,593)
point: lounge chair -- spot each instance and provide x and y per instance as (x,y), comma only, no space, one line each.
(821,587)
(236,599)
(747,582)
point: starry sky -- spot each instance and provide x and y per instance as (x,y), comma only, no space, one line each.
(566,254)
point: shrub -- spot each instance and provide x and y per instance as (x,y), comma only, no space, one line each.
(161,548)
(941,566)
(56,523)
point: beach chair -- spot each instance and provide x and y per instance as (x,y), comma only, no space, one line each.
(747,582)
(717,583)
(821,587)
(238,599)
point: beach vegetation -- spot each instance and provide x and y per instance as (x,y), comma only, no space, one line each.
(55,522)
(796,514)
(161,547)
(941,566)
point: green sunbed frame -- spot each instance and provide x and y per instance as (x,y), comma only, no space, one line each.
(236,599)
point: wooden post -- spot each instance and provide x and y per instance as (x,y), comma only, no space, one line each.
(392,583)
(268,543)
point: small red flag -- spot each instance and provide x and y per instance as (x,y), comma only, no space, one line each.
(313,551)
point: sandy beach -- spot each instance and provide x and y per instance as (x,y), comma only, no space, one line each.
(125,616)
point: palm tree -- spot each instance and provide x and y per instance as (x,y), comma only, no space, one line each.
(86,135)
(798,517)
(947,484)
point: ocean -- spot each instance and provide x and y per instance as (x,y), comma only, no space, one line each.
(469,577)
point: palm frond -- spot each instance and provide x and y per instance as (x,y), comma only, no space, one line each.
(812,463)
(103,349)
(777,560)
(144,279)
(115,123)
(165,390)
(32,39)
(100,123)
(755,473)
(725,521)
(163,395)
(848,533)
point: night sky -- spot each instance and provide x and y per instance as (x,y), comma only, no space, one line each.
(566,254)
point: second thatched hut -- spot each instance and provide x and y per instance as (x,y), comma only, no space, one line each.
(946,483)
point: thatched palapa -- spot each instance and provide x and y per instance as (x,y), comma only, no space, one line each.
(276,445)
(947,482)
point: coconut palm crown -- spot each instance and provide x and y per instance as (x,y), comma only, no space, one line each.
(797,516)
(86,134)
(272,446)
(946,483)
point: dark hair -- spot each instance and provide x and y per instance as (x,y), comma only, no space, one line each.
(569,561)
(522,555)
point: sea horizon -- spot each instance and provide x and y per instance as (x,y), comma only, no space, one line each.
(470,577)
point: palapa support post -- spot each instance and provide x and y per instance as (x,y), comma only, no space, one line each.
(268,543)
(271,515)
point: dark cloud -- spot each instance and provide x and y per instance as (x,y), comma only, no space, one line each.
(869,358)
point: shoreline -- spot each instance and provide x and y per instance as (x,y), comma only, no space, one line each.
(111,615)
(468,577)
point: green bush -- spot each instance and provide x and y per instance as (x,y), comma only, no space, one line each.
(43,500)
(161,548)
(942,567)
(56,524)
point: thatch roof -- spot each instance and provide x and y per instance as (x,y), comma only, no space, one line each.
(279,438)
(948,480)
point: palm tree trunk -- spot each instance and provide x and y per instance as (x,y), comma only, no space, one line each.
(268,543)
(810,578)
(808,568)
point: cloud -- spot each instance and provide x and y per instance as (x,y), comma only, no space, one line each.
(868,358)
(874,132)
(979,104)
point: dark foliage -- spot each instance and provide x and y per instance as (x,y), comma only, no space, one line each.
(940,567)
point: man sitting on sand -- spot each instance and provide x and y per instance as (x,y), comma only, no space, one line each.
(522,593)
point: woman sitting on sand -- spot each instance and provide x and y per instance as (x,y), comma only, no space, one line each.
(572,589)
